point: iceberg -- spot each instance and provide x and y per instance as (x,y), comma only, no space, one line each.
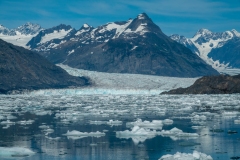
(84,134)
(114,123)
(176,134)
(7,122)
(187,156)
(137,134)
(155,124)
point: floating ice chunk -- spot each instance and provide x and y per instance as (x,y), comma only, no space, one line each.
(237,121)
(43,127)
(176,133)
(25,122)
(11,117)
(49,130)
(88,134)
(8,122)
(2,117)
(171,132)
(10,152)
(230,114)
(137,131)
(137,134)
(187,156)
(43,113)
(199,118)
(98,122)
(54,139)
(114,123)
(155,124)
(167,121)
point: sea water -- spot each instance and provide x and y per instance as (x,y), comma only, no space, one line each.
(130,127)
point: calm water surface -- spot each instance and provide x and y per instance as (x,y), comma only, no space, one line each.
(39,123)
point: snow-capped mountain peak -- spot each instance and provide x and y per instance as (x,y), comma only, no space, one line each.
(204,42)
(204,31)
(142,16)
(85,25)
(21,35)
(236,33)
(29,28)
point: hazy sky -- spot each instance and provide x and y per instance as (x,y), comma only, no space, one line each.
(184,17)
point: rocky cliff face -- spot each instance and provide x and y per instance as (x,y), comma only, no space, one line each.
(21,69)
(221,84)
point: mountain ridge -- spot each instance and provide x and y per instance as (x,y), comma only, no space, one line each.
(22,69)
(133,46)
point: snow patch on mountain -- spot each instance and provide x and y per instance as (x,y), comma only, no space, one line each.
(18,39)
(236,33)
(21,35)
(204,41)
(55,35)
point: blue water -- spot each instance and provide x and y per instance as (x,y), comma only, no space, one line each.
(77,111)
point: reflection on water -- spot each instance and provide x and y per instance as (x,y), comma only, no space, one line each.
(118,126)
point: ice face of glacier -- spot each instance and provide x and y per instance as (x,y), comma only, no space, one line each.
(119,84)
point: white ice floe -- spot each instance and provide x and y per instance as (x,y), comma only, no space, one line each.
(114,123)
(98,122)
(155,124)
(24,122)
(237,121)
(167,121)
(230,113)
(176,133)
(137,131)
(85,134)
(187,156)
(44,127)
(14,152)
(53,139)
(199,118)
(137,134)
(7,122)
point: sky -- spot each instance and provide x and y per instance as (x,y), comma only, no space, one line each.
(184,17)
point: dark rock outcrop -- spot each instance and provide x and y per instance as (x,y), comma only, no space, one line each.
(21,69)
(222,84)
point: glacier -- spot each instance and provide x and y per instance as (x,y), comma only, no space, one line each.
(119,84)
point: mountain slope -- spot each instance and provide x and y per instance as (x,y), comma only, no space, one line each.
(228,53)
(213,47)
(21,35)
(134,46)
(23,69)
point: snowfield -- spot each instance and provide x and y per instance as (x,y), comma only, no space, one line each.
(116,83)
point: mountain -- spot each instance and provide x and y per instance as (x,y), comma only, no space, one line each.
(22,69)
(50,38)
(222,84)
(228,53)
(212,47)
(133,46)
(21,35)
